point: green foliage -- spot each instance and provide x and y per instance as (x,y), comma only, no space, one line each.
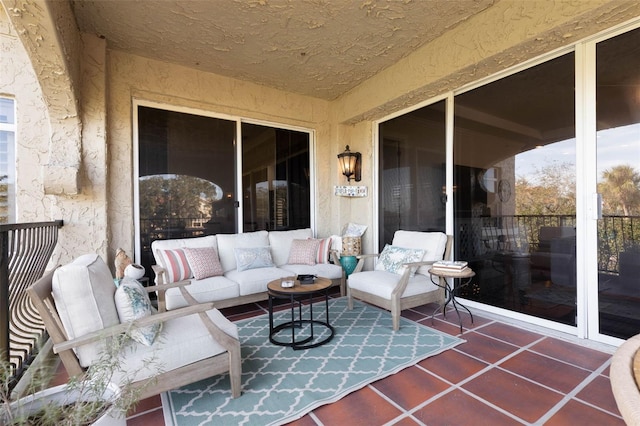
(551,191)
(620,189)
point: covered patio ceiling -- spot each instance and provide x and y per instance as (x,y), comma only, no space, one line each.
(316,48)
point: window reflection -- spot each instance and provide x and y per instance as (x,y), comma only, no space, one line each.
(514,177)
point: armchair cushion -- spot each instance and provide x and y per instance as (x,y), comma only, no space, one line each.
(433,243)
(204,262)
(303,252)
(393,258)
(132,302)
(83,292)
(382,283)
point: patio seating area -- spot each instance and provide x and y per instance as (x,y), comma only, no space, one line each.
(503,374)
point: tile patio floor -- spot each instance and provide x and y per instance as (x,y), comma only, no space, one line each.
(503,375)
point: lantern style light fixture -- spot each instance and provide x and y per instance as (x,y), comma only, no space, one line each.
(350,164)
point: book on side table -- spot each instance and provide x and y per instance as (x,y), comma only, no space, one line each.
(453,266)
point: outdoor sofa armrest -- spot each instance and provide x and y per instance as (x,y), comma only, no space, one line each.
(361,259)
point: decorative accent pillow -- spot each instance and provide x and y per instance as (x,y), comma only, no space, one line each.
(324,250)
(252,258)
(175,264)
(303,252)
(392,258)
(204,262)
(132,302)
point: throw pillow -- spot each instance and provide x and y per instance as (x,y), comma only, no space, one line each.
(204,262)
(303,252)
(324,250)
(132,302)
(252,258)
(392,259)
(175,264)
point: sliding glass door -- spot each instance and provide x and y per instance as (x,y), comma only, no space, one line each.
(618,181)
(189,166)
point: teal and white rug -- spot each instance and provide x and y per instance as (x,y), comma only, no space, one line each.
(280,385)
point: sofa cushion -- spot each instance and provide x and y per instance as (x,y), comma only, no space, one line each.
(175,265)
(280,242)
(209,289)
(255,280)
(228,242)
(324,250)
(326,270)
(206,241)
(83,292)
(303,252)
(433,243)
(203,261)
(382,283)
(253,258)
(132,302)
(182,341)
(392,259)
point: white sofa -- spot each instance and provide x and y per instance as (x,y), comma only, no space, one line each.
(235,287)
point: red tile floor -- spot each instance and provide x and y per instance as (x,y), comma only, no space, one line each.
(503,375)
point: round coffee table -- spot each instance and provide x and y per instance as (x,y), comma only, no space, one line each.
(297,294)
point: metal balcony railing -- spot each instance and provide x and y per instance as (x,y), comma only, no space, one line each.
(25,251)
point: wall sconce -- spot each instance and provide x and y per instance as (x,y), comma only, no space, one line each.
(350,164)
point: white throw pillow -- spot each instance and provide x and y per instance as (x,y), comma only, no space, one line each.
(392,259)
(303,252)
(132,302)
(252,258)
(204,262)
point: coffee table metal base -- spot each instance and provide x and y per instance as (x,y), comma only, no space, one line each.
(306,342)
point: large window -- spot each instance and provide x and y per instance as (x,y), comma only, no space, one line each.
(188,177)
(7,160)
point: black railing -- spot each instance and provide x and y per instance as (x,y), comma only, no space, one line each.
(25,251)
(476,236)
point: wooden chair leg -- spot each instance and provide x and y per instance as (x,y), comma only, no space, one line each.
(395,316)
(235,371)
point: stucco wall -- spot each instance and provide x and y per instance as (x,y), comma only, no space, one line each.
(140,78)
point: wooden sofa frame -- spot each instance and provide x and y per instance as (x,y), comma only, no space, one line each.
(397,303)
(230,361)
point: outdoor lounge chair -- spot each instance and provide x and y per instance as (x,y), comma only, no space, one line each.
(398,291)
(76,303)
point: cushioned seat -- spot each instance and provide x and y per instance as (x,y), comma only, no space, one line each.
(82,309)
(401,279)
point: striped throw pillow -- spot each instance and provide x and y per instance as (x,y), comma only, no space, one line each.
(175,264)
(324,250)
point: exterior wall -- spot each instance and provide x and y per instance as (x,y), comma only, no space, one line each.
(133,77)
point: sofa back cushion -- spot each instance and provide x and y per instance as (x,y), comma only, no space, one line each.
(180,243)
(83,291)
(433,243)
(228,242)
(280,242)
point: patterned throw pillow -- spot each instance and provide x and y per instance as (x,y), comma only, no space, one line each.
(252,258)
(324,251)
(303,252)
(204,262)
(132,302)
(392,258)
(175,264)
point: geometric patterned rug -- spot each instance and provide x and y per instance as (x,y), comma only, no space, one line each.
(280,385)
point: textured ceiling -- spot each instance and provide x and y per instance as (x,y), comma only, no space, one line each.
(320,48)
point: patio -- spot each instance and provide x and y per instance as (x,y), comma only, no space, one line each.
(506,373)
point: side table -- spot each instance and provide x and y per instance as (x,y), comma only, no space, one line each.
(450,292)
(295,295)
